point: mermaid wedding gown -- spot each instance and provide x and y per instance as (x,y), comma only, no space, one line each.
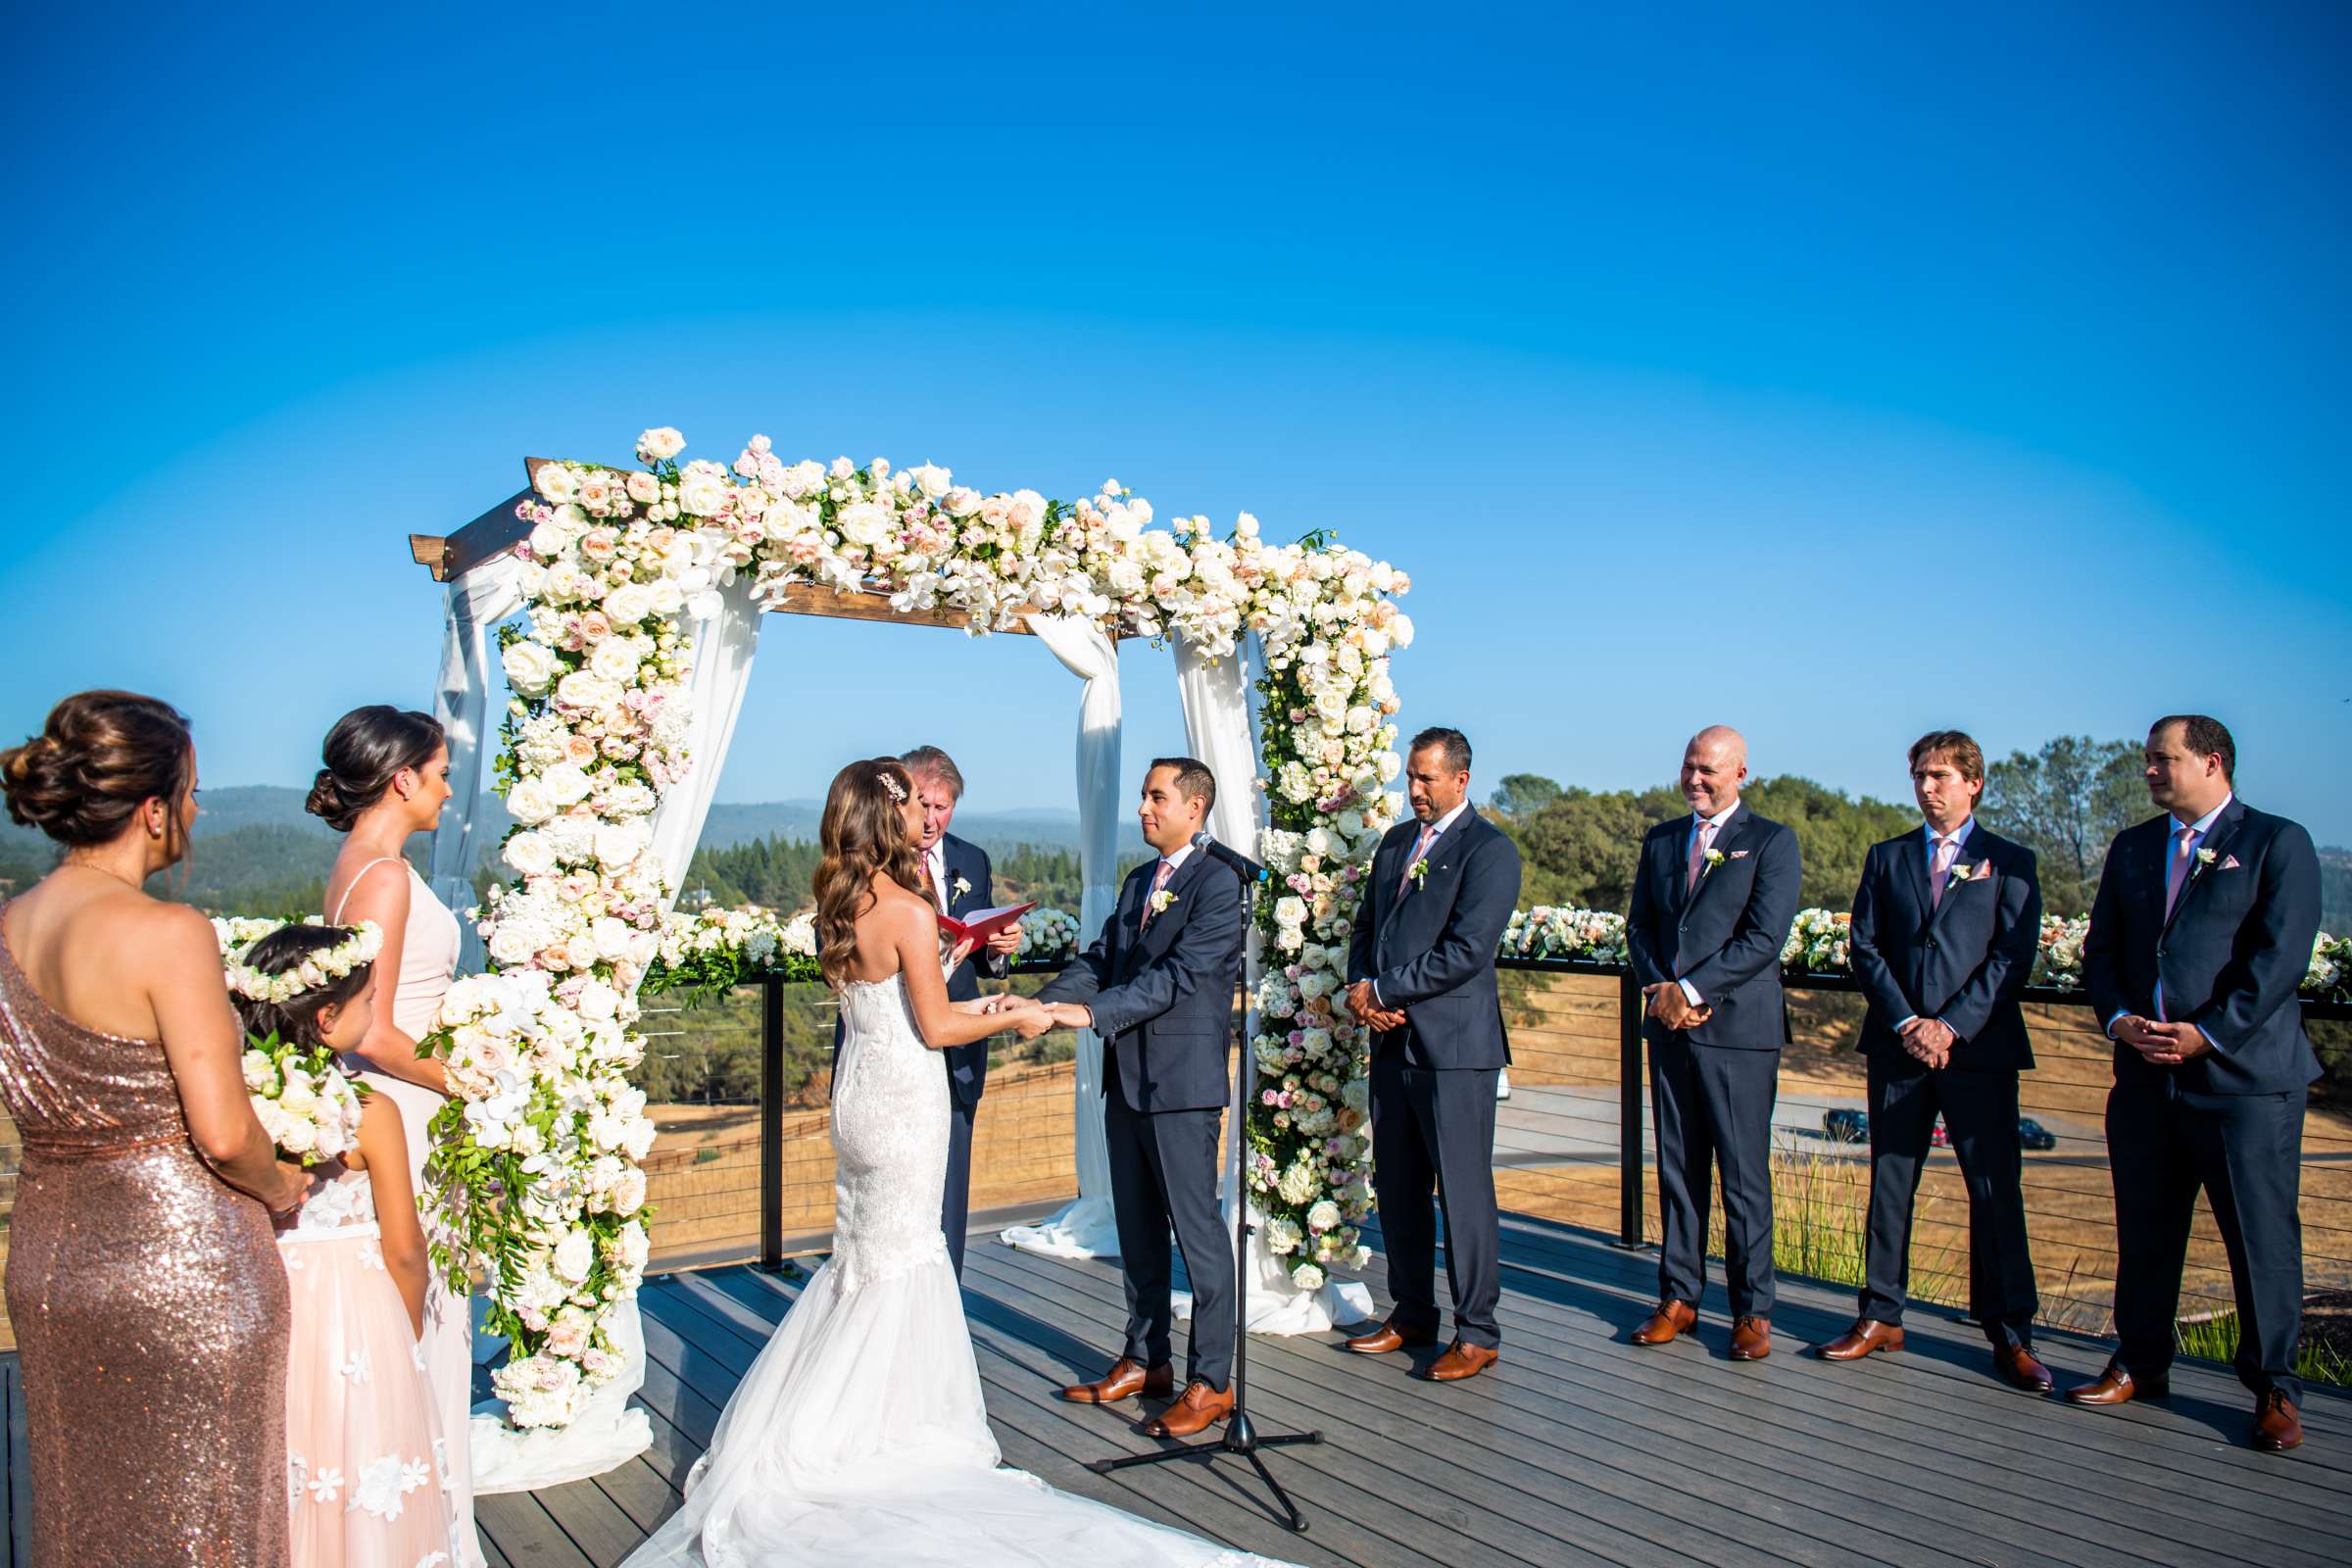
(859,1435)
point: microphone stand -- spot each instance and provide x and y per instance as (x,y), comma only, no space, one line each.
(1242,1436)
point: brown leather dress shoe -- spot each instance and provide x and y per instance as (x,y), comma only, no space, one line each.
(1200,1406)
(1461,1361)
(2019,1370)
(1126,1379)
(2277,1426)
(1867,1336)
(1751,1339)
(1671,1319)
(2118,1387)
(1389,1336)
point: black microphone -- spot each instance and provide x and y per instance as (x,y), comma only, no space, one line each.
(1246,868)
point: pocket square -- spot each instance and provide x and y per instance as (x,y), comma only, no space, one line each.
(2228,864)
(1738,854)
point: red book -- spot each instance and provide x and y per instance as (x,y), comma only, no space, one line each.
(982,924)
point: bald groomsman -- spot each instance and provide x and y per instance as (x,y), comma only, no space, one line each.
(2199,939)
(1945,925)
(1714,895)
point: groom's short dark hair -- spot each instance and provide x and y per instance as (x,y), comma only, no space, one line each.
(1452,746)
(1194,780)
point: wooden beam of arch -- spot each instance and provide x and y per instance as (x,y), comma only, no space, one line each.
(498,530)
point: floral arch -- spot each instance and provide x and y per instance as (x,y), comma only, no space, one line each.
(636,596)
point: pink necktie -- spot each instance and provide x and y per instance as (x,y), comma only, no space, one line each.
(1160,880)
(1420,848)
(1945,849)
(1698,856)
(2177,874)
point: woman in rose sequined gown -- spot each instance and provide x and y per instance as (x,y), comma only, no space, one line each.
(385,780)
(149,1304)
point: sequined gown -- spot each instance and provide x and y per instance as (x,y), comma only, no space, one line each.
(150,1308)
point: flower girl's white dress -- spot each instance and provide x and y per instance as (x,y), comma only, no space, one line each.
(859,1435)
(364,1462)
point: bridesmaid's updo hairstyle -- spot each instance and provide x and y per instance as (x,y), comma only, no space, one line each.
(295,1021)
(101,756)
(365,751)
(863,832)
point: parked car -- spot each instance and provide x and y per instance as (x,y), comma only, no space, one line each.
(1845,1126)
(1939,1136)
(2032,1134)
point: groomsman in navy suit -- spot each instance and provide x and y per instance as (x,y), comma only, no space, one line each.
(1157,986)
(961,881)
(2200,940)
(1945,930)
(1421,972)
(1714,895)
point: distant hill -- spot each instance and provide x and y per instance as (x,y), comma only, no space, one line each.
(256,850)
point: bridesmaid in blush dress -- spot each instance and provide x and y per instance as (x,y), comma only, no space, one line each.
(150,1307)
(385,780)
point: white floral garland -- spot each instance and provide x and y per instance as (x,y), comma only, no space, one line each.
(595,734)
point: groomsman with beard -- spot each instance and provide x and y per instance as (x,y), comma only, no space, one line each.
(2200,940)
(961,881)
(1157,986)
(1421,968)
(1714,895)
(1945,925)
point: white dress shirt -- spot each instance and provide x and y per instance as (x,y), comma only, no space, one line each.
(1932,840)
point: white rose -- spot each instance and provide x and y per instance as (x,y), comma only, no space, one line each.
(565,784)
(554,481)
(574,1255)
(618,845)
(530,667)
(629,603)
(629,1193)
(867,523)
(702,494)
(933,480)
(615,659)
(530,854)
(529,802)
(586,691)
(661,444)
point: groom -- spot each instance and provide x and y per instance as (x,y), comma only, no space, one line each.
(1157,985)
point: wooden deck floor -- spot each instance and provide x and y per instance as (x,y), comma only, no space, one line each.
(1577,1449)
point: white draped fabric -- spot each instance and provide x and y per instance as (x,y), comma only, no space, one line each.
(476,603)
(607,1431)
(1220,727)
(1084,1227)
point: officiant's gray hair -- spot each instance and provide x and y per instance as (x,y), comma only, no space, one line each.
(929,762)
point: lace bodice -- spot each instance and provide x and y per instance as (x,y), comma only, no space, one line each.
(890,1137)
(340,1205)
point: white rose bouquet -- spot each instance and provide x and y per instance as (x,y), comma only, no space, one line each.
(308,1104)
(1047,935)
(1818,943)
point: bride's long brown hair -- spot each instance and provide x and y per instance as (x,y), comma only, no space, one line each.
(862,833)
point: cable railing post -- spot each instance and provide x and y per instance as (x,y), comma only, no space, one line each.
(771,1123)
(1629,1109)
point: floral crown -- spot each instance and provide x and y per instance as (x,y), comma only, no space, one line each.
(237,937)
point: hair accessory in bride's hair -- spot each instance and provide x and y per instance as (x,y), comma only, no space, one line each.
(898,790)
(237,937)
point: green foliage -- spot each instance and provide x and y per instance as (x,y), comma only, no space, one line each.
(2065,802)
(1580,848)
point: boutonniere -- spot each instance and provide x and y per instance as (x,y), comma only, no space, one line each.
(2204,859)
(1714,858)
(1962,872)
(1418,872)
(962,887)
(1162,900)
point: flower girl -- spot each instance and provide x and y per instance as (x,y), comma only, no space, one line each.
(364,1462)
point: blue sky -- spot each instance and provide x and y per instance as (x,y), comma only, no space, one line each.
(1837,373)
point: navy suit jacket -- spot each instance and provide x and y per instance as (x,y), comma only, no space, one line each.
(967,1065)
(1162,995)
(2232,957)
(1430,949)
(1726,936)
(1961,961)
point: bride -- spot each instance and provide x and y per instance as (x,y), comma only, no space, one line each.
(859,1435)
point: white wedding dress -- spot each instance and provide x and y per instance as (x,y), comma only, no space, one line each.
(859,1435)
